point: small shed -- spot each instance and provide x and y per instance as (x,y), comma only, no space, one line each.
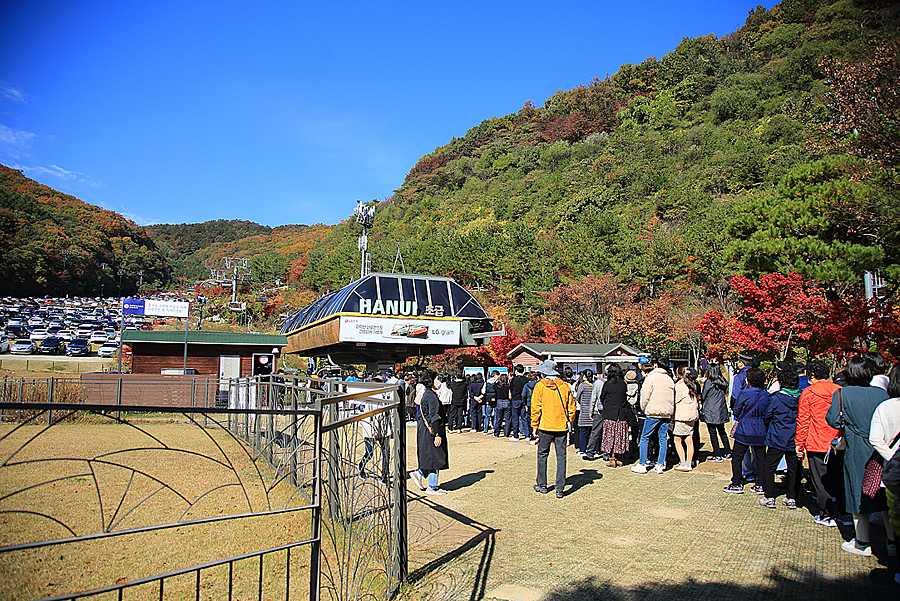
(211,354)
(577,356)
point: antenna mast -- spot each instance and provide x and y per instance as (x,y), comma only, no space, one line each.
(365,216)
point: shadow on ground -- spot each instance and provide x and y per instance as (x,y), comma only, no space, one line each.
(465,480)
(786,583)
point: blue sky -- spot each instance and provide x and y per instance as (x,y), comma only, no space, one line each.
(288,112)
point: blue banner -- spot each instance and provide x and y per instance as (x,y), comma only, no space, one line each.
(133,306)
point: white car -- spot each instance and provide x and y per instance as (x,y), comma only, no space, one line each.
(107,350)
(38,335)
(65,334)
(99,336)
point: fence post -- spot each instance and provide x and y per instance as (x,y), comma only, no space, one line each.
(34,396)
(206,402)
(51,387)
(257,432)
(22,390)
(401,550)
(333,451)
(192,397)
(292,445)
(231,389)
(119,396)
(315,552)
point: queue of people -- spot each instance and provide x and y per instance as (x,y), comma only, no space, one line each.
(845,426)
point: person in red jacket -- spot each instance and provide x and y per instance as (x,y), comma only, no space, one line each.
(814,437)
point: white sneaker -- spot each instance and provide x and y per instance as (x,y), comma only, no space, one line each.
(417,479)
(513,437)
(534,441)
(639,468)
(435,491)
(659,468)
(852,546)
(683,467)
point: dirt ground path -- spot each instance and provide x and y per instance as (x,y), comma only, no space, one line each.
(619,535)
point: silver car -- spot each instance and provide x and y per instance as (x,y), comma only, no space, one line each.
(22,346)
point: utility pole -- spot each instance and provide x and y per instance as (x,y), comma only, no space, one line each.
(120,273)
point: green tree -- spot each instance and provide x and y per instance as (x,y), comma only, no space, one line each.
(268,267)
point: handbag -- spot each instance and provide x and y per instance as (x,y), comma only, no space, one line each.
(872,475)
(840,443)
(630,416)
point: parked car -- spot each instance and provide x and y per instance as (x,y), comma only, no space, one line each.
(83,331)
(4,344)
(22,346)
(52,346)
(78,347)
(39,334)
(99,336)
(15,332)
(65,335)
(107,350)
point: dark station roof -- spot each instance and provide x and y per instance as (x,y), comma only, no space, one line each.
(423,290)
(416,315)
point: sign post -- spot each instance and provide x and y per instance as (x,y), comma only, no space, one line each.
(140,306)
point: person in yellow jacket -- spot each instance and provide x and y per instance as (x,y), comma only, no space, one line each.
(552,410)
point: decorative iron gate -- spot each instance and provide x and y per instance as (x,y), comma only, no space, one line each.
(275,490)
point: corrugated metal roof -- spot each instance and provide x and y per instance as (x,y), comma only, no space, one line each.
(203,337)
(594,350)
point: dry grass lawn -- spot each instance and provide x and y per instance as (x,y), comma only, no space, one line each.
(86,478)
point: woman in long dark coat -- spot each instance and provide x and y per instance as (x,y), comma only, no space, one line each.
(615,422)
(715,412)
(858,400)
(431,438)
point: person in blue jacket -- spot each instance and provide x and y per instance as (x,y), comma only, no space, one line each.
(781,427)
(750,431)
(739,383)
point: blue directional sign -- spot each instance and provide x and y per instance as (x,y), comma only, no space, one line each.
(140,306)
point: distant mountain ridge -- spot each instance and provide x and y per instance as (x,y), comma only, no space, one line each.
(54,243)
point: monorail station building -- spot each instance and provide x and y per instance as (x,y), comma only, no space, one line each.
(388,317)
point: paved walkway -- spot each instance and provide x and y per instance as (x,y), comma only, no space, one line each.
(619,535)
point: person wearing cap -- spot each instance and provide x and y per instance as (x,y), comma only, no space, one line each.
(658,403)
(552,410)
(744,363)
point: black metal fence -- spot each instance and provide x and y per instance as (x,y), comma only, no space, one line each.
(227,489)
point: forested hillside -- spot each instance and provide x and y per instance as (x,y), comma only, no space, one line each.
(699,199)
(180,243)
(727,155)
(53,243)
